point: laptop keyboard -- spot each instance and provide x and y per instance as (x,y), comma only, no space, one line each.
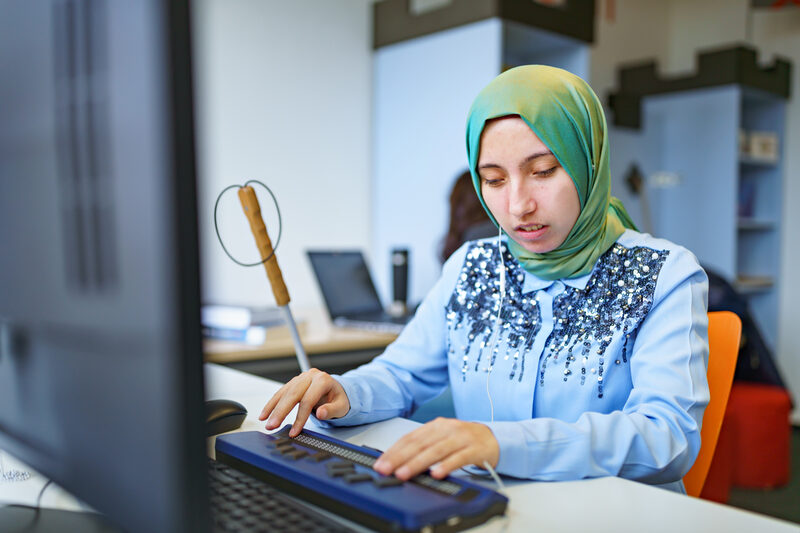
(240,502)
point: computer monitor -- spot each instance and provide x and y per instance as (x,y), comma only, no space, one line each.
(101,385)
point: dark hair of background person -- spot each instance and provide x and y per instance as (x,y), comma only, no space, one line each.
(468,220)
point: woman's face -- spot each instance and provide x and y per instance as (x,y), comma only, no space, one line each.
(524,186)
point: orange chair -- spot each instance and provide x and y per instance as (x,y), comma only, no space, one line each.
(724,333)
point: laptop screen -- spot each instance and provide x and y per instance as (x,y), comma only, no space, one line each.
(344,280)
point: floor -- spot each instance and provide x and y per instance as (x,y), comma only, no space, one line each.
(783,502)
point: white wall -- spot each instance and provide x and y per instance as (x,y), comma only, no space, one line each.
(703,24)
(283,96)
(637,33)
(418,137)
(779,33)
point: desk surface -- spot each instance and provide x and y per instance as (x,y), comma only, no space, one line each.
(597,505)
(317,334)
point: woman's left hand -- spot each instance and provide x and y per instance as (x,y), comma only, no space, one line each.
(449,442)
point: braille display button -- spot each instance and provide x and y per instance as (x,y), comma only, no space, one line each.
(386,481)
(296,454)
(357,478)
(321,456)
(340,465)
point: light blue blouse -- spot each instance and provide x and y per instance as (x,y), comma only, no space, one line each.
(602,375)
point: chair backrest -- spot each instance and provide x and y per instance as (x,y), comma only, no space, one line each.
(724,334)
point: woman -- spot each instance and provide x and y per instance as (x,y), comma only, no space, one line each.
(468,219)
(575,346)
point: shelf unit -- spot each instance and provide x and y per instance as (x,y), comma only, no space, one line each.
(749,161)
(725,206)
(752,224)
(427,69)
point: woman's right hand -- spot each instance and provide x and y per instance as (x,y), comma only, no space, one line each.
(314,391)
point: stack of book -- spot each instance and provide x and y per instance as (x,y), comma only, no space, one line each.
(239,323)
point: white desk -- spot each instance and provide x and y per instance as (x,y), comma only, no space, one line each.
(597,505)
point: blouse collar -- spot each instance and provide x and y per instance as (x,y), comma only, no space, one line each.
(534,283)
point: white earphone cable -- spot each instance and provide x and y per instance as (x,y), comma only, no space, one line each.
(497,331)
(501,487)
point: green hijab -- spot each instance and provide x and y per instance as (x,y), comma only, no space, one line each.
(563,111)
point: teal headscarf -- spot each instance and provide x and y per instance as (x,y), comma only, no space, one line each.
(563,111)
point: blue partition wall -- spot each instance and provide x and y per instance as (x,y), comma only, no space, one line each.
(423,88)
(697,139)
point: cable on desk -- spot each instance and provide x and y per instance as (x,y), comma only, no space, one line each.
(280,224)
(500,487)
(41,492)
(36,510)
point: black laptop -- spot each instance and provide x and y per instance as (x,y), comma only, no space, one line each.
(349,293)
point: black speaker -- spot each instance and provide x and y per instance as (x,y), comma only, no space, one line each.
(399,280)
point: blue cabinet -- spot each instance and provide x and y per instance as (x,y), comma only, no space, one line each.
(718,136)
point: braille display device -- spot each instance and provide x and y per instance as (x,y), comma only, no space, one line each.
(338,476)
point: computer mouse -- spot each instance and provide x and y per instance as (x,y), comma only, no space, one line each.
(223,415)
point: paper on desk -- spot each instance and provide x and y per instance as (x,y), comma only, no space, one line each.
(26,492)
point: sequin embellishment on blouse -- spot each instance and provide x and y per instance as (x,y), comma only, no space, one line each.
(619,295)
(616,299)
(474,306)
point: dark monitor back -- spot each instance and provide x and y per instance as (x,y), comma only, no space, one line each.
(345,282)
(100,357)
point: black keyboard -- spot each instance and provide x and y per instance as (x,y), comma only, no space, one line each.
(240,502)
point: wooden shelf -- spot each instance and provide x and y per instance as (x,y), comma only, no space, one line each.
(752,224)
(753,284)
(395,21)
(749,161)
(714,68)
